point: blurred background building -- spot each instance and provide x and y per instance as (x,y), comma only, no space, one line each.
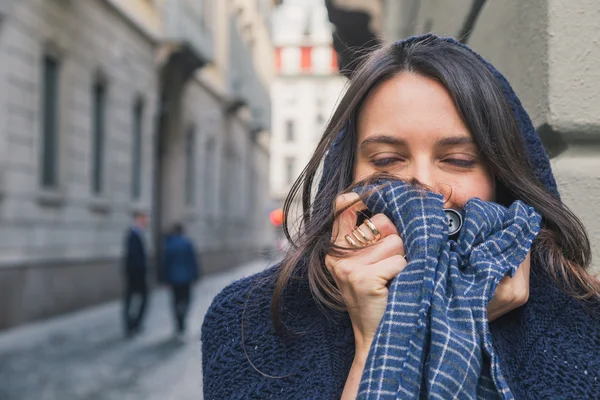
(549,50)
(183,108)
(112,106)
(306,87)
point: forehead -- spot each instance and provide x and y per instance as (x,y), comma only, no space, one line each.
(410,104)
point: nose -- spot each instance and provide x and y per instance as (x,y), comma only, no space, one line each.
(422,171)
(425,173)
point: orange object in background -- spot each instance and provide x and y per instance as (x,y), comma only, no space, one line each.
(276,217)
(306,58)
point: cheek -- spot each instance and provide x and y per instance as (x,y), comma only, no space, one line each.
(481,186)
(362,171)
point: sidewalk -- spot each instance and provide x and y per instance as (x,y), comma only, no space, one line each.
(85,356)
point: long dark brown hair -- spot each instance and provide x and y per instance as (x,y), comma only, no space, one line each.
(562,247)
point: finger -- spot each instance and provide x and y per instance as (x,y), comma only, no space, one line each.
(351,204)
(390,267)
(363,234)
(389,246)
(525,269)
(518,285)
(521,282)
(511,293)
(382,223)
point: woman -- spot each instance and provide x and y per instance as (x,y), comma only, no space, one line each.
(426,109)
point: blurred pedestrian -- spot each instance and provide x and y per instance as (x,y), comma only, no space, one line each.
(180,272)
(135,271)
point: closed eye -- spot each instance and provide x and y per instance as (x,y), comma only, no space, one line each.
(385,162)
(460,162)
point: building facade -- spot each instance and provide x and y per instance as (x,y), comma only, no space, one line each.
(113,106)
(547,49)
(305,90)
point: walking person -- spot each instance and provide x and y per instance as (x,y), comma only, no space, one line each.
(135,271)
(435,260)
(181,270)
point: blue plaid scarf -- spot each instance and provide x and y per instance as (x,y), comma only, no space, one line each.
(434,340)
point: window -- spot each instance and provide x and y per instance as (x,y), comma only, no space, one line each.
(136,149)
(290,131)
(98,136)
(306,58)
(50,108)
(190,164)
(290,166)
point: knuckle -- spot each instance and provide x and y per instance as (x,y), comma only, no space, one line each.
(380,219)
(396,258)
(329,262)
(512,292)
(394,241)
(356,279)
(343,269)
(521,295)
(504,294)
(384,224)
(344,199)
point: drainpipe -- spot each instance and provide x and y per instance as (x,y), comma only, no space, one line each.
(471,20)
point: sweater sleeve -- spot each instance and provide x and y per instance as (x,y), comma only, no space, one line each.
(223,361)
(549,348)
(255,363)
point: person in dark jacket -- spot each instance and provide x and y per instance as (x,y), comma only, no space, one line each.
(180,272)
(134,271)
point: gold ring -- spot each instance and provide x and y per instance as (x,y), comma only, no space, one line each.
(373,229)
(363,235)
(361,240)
(351,241)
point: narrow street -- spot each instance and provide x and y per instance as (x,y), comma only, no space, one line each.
(85,356)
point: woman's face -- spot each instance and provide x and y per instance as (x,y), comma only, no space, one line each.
(409,127)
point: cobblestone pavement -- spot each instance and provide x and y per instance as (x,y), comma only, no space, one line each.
(85,356)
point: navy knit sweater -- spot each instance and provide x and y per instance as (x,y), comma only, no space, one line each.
(548,349)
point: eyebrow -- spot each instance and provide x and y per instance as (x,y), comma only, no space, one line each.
(391,140)
(383,139)
(455,141)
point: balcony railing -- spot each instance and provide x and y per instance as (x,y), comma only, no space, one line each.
(244,82)
(185,23)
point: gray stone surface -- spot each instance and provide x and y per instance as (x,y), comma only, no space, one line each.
(85,356)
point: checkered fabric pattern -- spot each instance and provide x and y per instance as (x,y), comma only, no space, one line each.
(434,341)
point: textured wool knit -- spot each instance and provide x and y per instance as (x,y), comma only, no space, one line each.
(547,349)
(433,340)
